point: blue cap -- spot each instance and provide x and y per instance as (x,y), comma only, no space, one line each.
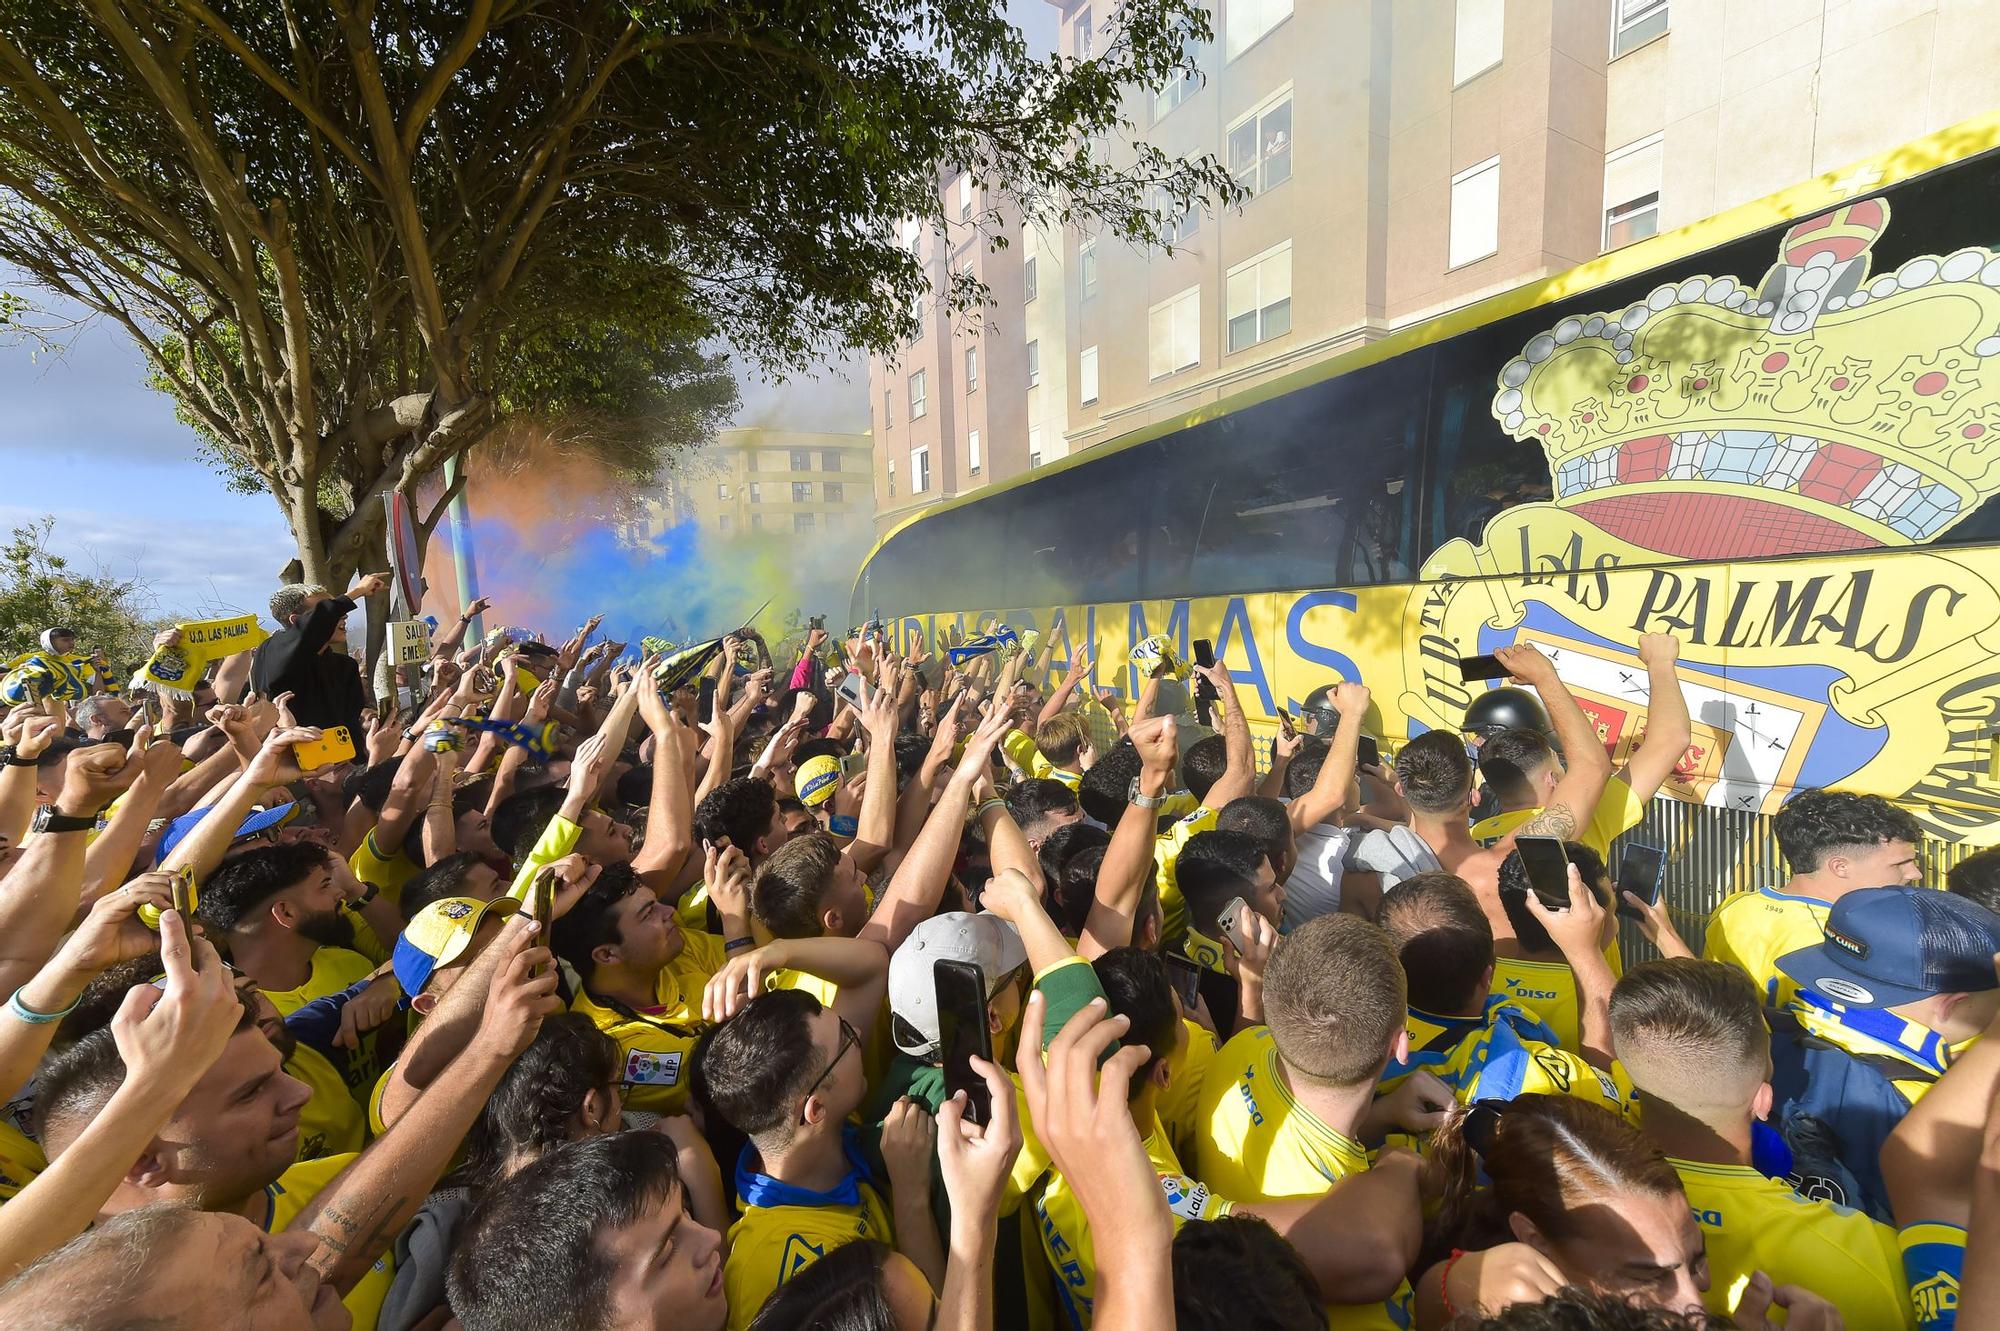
(259,821)
(1890,945)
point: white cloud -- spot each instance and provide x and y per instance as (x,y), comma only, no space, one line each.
(188,569)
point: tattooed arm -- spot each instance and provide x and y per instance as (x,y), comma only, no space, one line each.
(360,1214)
(1587,765)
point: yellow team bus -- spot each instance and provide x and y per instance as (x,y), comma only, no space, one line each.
(1774,434)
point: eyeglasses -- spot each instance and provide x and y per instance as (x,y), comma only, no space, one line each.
(849,1039)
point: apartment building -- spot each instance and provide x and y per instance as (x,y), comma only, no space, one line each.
(1405,158)
(783,482)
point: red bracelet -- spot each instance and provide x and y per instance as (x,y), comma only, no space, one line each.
(1444,1277)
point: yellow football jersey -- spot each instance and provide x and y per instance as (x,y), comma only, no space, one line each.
(1545,988)
(784,1229)
(1617,810)
(1504,1052)
(1933,1267)
(388,874)
(657,1044)
(1180,1102)
(21,1159)
(1066,1234)
(332,1122)
(1751,1223)
(1166,852)
(292,1193)
(1257,1142)
(1751,930)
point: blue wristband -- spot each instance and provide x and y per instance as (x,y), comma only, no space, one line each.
(34,1018)
(841,824)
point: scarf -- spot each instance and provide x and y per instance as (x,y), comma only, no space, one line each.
(539,741)
(176,670)
(684,667)
(47,673)
(983,644)
(1156,656)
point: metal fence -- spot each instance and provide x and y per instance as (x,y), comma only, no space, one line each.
(1713,852)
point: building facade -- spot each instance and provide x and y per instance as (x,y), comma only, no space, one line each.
(782,482)
(1402,157)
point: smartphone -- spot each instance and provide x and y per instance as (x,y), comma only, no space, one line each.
(1367,752)
(1639,869)
(1185,973)
(1285,726)
(1204,692)
(542,906)
(184,894)
(335,745)
(1472,668)
(1548,869)
(1229,920)
(849,691)
(962,1032)
(852,765)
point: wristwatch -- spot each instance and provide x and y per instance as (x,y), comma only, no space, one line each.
(1133,796)
(50,819)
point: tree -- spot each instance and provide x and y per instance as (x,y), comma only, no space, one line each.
(351,235)
(40,590)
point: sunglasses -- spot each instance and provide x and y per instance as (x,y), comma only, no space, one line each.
(849,1039)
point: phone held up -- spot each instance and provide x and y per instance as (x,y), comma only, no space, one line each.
(1548,869)
(1639,871)
(962,1033)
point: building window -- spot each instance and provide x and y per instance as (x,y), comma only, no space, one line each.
(1086,374)
(1035,447)
(829,460)
(972,369)
(1086,268)
(917,304)
(892,478)
(756,493)
(1028,279)
(756,522)
(750,458)
(920,470)
(972,459)
(802,522)
(1182,86)
(1636,22)
(1260,298)
(836,493)
(802,459)
(1177,229)
(1632,192)
(1034,363)
(1173,334)
(802,492)
(1247,21)
(912,234)
(1260,145)
(1475,213)
(722,490)
(722,522)
(1081,36)
(965,198)
(887,419)
(1476,40)
(917,401)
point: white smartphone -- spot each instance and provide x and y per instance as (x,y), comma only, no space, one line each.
(1230,922)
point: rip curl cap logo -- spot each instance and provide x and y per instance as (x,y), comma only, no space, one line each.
(1847,943)
(1847,991)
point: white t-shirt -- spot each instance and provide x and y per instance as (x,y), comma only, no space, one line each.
(1314,887)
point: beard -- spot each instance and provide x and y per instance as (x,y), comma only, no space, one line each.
(328,928)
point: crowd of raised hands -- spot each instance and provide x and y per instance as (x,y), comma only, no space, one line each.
(563,988)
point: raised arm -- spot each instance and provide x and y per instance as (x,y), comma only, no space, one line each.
(1587,765)
(875,832)
(1576,932)
(1239,777)
(1079,667)
(39,895)
(29,732)
(1128,860)
(670,816)
(203,847)
(1330,790)
(1668,729)
(108,861)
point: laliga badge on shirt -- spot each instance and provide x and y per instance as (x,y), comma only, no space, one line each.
(1185,1197)
(649,1069)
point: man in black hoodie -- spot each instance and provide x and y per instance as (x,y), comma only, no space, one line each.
(307,657)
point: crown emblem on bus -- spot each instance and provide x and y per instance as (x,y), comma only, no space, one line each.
(1829,408)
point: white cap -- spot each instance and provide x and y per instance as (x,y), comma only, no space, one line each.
(985,940)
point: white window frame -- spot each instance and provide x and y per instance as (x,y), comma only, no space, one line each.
(722,489)
(920,469)
(1086,269)
(919,395)
(888,397)
(1083,36)
(1182,326)
(1175,93)
(972,458)
(1617,211)
(1627,15)
(1463,72)
(1178,230)
(1259,307)
(722,522)
(972,369)
(1034,447)
(1258,168)
(965,197)
(1034,362)
(892,478)
(1086,375)
(1236,39)
(756,492)
(1454,260)
(1030,284)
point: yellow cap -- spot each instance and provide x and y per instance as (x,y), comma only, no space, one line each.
(818,777)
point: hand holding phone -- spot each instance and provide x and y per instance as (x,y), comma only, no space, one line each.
(1639,871)
(963,1033)
(1472,668)
(1185,974)
(334,745)
(1230,923)
(1367,752)
(1548,869)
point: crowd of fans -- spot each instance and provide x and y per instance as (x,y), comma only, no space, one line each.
(598,993)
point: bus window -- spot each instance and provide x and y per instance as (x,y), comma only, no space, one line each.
(1076,538)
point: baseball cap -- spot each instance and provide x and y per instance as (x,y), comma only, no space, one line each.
(438,935)
(1891,945)
(985,940)
(817,779)
(260,820)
